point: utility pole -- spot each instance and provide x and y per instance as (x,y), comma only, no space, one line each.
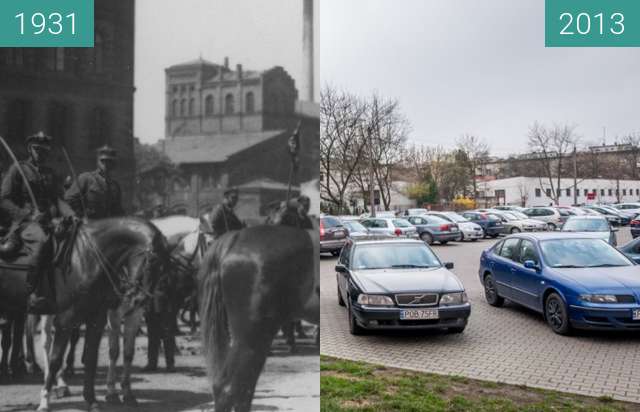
(371,197)
(575,176)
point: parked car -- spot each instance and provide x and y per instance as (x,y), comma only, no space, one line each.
(612,216)
(390,226)
(384,213)
(547,214)
(332,235)
(355,229)
(417,211)
(509,208)
(572,280)
(515,224)
(632,250)
(491,226)
(626,215)
(632,208)
(435,229)
(468,230)
(598,225)
(635,227)
(399,284)
(538,224)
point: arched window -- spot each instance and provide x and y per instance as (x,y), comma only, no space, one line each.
(229,104)
(19,117)
(98,53)
(58,121)
(191,106)
(174,108)
(183,103)
(250,103)
(208,105)
(99,129)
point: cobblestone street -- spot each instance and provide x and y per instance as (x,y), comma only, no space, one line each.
(509,344)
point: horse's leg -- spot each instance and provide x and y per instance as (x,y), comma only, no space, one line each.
(92,337)
(114,352)
(18,367)
(32,326)
(71,355)
(6,346)
(56,355)
(131,325)
(288,330)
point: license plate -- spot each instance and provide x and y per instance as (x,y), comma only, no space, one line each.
(636,314)
(454,229)
(416,314)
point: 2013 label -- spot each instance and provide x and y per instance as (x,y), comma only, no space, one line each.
(582,24)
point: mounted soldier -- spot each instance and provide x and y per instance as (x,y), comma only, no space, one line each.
(25,183)
(96,194)
(223,218)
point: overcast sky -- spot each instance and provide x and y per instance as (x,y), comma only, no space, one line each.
(479,67)
(256,33)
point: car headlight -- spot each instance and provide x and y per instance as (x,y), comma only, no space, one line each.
(599,298)
(378,300)
(457,298)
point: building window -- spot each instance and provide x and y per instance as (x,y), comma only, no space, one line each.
(18,116)
(229,104)
(175,89)
(586,192)
(183,104)
(58,122)
(637,192)
(568,192)
(610,192)
(191,107)
(99,130)
(601,192)
(624,192)
(208,105)
(250,103)
(538,192)
(174,108)
(192,88)
(548,192)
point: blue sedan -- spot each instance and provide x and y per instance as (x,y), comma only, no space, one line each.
(574,281)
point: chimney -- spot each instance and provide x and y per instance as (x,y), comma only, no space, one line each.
(239,69)
(226,62)
(307,51)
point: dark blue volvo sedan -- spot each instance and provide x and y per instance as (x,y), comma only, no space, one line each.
(399,284)
(572,279)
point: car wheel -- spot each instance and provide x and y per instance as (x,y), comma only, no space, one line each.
(552,226)
(444,242)
(491,293)
(340,300)
(456,330)
(427,238)
(555,312)
(354,328)
(515,230)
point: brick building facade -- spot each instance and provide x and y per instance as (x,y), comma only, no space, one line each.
(83,97)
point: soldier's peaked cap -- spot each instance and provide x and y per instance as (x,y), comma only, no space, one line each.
(39,139)
(106,152)
(231,190)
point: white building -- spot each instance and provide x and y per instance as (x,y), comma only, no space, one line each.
(535,191)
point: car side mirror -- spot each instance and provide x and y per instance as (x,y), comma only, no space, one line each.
(448,265)
(531,264)
(340,268)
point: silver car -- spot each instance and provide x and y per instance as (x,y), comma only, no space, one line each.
(468,230)
(547,214)
(597,225)
(390,226)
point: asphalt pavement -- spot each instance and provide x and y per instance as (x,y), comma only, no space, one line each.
(509,344)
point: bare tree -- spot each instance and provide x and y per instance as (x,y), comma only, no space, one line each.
(477,152)
(550,147)
(341,143)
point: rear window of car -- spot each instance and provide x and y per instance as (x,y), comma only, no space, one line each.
(330,222)
(401,223)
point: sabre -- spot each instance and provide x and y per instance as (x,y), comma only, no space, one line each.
(24,177)
(75,180)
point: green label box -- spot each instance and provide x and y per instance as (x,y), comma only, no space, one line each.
(46,23)
(592,23)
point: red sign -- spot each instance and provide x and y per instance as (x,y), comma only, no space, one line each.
(591,195)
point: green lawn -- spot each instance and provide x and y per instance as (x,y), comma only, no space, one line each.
(356,386)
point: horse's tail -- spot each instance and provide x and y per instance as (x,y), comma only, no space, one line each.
(213,313)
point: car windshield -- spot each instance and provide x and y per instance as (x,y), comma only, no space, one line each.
(581,253)
(510,216)
(401,223)
(386,256)
(354,226)
(456,217)
(586,225)
(519,215)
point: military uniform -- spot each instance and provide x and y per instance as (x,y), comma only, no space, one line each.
(16,202)
(291,217)
(224,219)
(100,194)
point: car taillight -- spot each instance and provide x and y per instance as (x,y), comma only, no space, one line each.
(483,216)
(398,232)
(635,222)
(321,230)
(444,228)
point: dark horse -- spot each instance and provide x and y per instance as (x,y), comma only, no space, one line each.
(112,260)
(251,282)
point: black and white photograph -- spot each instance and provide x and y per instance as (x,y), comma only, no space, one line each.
(159,212)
